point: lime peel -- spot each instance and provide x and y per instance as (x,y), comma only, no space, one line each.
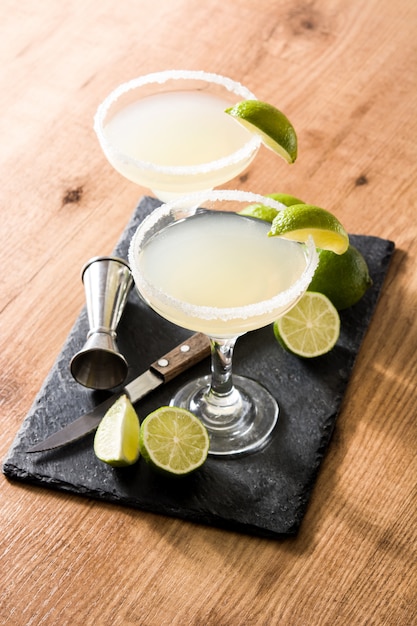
(285,198)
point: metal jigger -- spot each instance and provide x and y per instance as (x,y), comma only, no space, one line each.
(99,365)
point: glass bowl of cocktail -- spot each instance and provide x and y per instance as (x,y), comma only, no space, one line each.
(210,269)
(168,131)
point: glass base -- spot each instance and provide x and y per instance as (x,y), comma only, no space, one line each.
(238,424)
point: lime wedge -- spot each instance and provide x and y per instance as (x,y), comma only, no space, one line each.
(274,128)
(266,213)
(299,221)
(311,328)
(116,441)
(173,440)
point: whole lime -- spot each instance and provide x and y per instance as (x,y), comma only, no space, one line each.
(343,278)
(285,198)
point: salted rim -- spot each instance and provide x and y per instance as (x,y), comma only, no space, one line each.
(161,77)
(194,201)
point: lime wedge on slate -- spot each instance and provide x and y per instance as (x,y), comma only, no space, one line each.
(116,441)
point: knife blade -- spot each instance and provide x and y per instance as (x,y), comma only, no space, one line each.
(164,369)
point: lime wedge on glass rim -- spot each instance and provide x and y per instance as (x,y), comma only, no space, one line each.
(116,441)
(300,221)
(173,441)
(311,328)
(274,128)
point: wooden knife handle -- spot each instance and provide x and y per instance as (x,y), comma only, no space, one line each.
(183,356)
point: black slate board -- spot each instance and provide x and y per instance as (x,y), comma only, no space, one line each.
(264,493)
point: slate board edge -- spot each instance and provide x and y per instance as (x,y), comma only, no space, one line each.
(16,475)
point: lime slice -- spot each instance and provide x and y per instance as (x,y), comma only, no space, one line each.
(173,440)
(311,328)
(266,213)
(299,221)
(116,441)
(274,128)
(343,278)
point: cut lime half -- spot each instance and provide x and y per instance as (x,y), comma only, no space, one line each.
(311,328)
(173,440)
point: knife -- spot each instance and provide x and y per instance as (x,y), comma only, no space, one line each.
(167,367)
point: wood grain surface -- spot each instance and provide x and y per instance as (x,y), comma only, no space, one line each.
(345,73)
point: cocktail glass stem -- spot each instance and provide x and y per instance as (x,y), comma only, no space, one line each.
(221,367)
(225,404)
(221,402)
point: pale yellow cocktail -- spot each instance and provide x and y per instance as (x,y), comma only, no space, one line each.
(219,273)
(208,269)
(169,132)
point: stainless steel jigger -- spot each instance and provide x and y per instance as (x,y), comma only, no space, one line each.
(99,365)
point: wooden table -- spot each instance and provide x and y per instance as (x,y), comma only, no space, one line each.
(345,73)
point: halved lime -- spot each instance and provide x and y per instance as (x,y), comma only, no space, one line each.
(299,221)
(173,440)
(274,128)
(311,328)
(267,213)
(116,441)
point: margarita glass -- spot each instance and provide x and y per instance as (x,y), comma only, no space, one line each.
(168,131)
(214,271)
